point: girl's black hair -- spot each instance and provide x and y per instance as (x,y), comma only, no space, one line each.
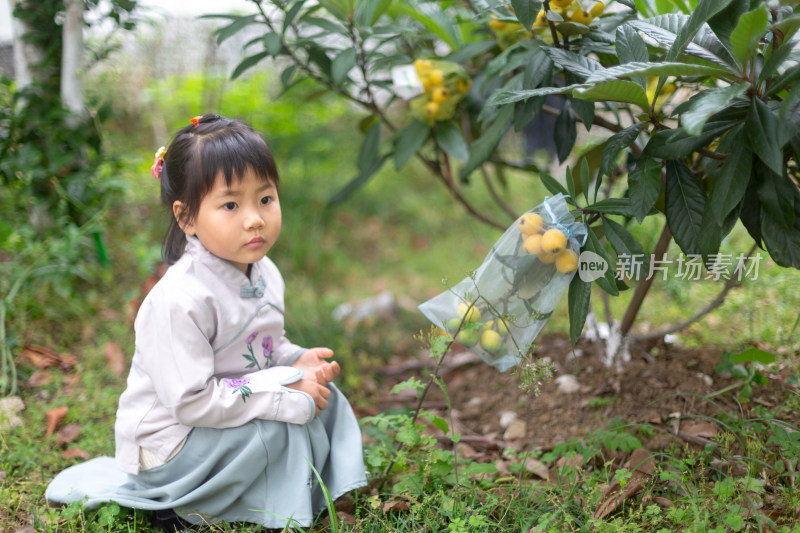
(194,158)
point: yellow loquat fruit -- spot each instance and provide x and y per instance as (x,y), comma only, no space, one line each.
(440,94)
(469,313)
(567,261)
(553,241)
(491,341)
(530,223)
(423,66)
(467,337)
(496,24)
(597,9)
(436,77)
(560,3)
(547,259)
(533,244)
(541,19)
(431,109)
(499,325)
(463,86)
(582,17)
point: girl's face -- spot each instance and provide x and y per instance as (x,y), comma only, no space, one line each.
(239,223)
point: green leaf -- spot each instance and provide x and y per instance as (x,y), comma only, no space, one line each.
(709,237)
(433,18)
(613,206)
(644,187)
(705,10)
(631,48)
(776,60)
(409,141)
(272,43)
(669,68)
(607,281)
(238,24)
(342,64)
(483,147)
(286,76)
(526,12)
(584,109)
(552,185)
(580,66)
(578,297)
(785,80)
(615,91)
(685,203)
(503,97)
(777,195)
(622,241)
(706,104)
(672,144)
(616,143)
(787,27)
(762,133)
(248,62)
(753,355)
(370,147)
(449,137)
(369,11)
(328,25)
(733,176)
(748,32)
(783,246)
(663,29)
(564,132)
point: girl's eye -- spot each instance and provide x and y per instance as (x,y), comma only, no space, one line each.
(266,200)
(230,206)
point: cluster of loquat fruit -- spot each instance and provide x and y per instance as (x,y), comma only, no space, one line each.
(445,85)
(490,334)
(578,11)
(549,245)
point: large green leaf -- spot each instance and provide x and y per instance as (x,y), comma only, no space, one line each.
(449,137)
(617,142)
(370,146)
(483,146)
(615,91)
(748,32)
(644,187)
(358,182)
(581,66)
(526,12)
(369,11)
(789,116)
(622,241)
(709,237)
(671,144)
(733,177)
(631,48)
(248,63)
(433,18)
(783,245)
(777,195)
(607,281)
(762,128)
(580,292)
(342,64)
(785,80)
(564,132)
(630,70)
(685,202)
(661,29)
(409,141)
(705,10)
(238,23)
(538,70)
(787,27)
(613,206)
(503,97)
(706,104)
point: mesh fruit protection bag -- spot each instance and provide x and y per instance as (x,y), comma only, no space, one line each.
(499,309)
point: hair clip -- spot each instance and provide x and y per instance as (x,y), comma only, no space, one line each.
(196,120)
(158,162)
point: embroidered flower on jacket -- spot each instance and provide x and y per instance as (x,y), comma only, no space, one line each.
(251,356)
(267,345)
(240,386)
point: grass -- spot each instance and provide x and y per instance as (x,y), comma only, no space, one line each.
(403,234)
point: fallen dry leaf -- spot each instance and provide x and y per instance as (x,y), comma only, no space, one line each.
(39,378)
(395,505)
(72,453)
(68,434)
(537,468)
(54,418)
(642,466)
(706,430)
(42,357)
(115,358)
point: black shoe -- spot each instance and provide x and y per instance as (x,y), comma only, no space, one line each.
(169,521)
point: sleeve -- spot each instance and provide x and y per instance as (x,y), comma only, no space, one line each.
(172,337)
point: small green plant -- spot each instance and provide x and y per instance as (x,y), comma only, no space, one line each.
(743,366)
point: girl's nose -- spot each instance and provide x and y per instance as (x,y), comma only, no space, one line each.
(254,221)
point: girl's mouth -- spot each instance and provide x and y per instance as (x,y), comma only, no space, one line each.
(256,242)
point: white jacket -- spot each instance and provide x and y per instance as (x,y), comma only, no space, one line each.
(193,366)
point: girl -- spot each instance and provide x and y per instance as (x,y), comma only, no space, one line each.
(223,417)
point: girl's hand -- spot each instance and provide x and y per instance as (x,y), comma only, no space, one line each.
(319,393)
(314,365)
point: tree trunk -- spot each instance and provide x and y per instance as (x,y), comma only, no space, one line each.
(26,55)
(72,57)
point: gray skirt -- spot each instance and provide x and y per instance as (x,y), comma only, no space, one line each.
(259,472)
